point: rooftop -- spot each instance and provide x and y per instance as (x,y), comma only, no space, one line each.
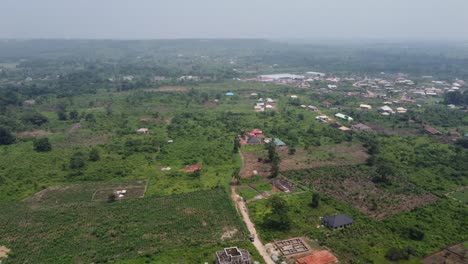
(337,221)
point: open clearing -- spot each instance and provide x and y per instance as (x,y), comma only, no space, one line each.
(4,252)
(255,161)
(168,89)
(35,133)
(460,195)
(91,232)
(130,192)
(76,193)
(315,157)
(353,185)
(457,254)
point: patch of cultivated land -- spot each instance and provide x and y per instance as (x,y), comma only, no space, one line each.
(100,232)
(255,161)
(353,184)
(457,254)
(315,157)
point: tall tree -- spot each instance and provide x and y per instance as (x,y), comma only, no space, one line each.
(6,137)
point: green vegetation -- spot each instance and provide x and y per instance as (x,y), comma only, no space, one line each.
(85,231)
(367,239)
(70,111)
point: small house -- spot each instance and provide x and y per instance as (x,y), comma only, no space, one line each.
(387,109)
(326,104)
(253,140)
(431,130)
(313,108)
(365,107)
(401,110)
(229,94)
(278,142)
(142,131)
(255,132)
(258,108)
(337,221)
(322,118)
(345,117)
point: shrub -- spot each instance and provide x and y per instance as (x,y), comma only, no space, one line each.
(77,161)
(42,145)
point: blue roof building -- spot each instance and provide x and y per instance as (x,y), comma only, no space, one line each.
(229,94)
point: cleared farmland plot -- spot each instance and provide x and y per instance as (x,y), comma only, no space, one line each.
(96,232)
(75,193)
(353,184)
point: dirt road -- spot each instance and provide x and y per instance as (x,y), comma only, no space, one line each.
(250,226)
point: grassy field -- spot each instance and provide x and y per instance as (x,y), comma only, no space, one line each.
(368,240)
(155,227)
(461,195)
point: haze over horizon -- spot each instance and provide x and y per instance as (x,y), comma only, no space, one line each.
(417,20)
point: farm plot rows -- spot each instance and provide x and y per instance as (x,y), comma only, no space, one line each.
(95,232)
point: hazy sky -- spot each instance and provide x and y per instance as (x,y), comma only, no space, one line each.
(304,19)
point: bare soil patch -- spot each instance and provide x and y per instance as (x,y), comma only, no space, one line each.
(255,161)
(168,89)
(74,128)
(35,133)
(228,233)
(315,157)
(4,252)
(155,120)
(456,254)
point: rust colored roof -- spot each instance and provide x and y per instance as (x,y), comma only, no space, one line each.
(318,257)
(191,168)
(432,130)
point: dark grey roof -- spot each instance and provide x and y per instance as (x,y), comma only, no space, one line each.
(253,140)
(337,221)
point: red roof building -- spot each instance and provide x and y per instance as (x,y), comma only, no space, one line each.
(255,132)
(318,257)
(191,168)
(325,104)
(432,130)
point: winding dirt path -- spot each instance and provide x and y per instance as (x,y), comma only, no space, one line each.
(242,208)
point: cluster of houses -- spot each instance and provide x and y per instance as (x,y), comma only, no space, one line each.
(385,110)
(264,104)
(256,137)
